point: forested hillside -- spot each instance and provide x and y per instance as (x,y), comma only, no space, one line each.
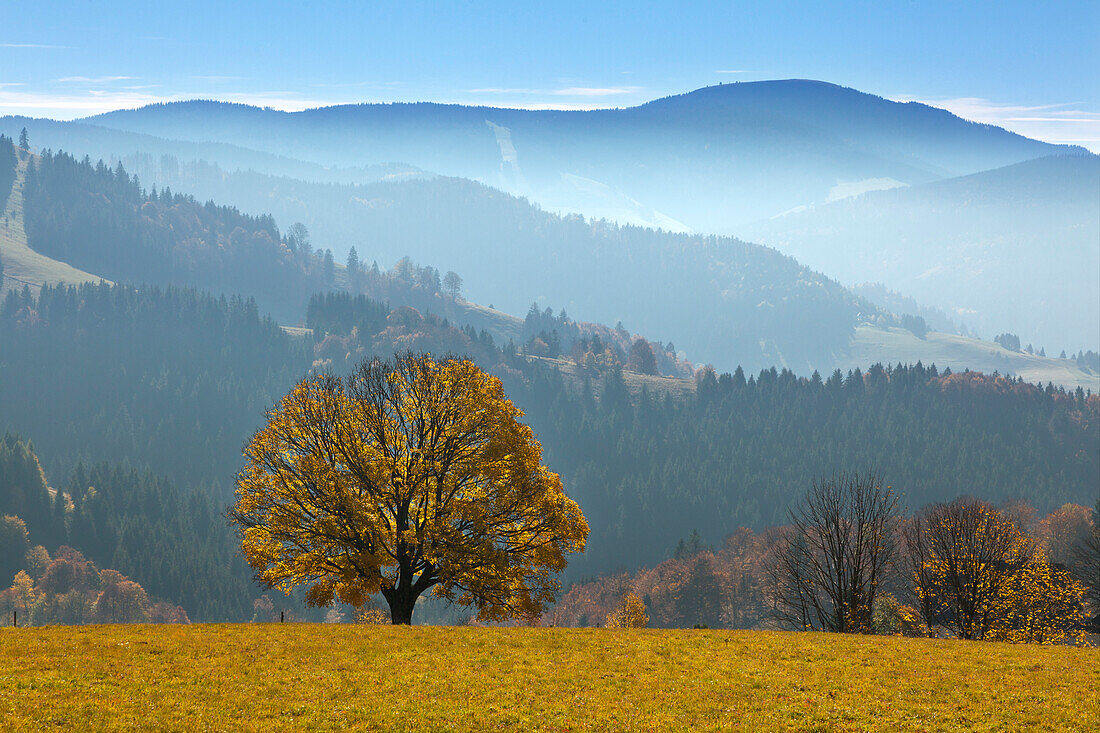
(762,307)
(174,543)
(173,382)
(167,379)
(7,169)
(100,220)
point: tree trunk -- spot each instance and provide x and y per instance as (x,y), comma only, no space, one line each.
(402,602)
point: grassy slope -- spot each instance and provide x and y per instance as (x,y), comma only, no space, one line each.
(958,352)
(634,381)
(22,265)
(320,677)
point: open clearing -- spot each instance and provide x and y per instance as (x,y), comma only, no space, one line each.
(336,677)
(22,265)
(892,345)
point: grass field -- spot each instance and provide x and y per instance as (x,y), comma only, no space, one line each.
(339,677)
(891,345)
(22,265)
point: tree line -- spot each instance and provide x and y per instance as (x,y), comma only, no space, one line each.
(172,382)
(851,560)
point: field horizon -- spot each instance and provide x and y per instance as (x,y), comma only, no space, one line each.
(336,677)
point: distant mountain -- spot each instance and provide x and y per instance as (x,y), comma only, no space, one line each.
(100,143)
(709,160)
(1014,249)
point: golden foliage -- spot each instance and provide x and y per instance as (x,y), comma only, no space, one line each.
(1042,605)
(408,475)
(629,615)
(978,574)
(369,616)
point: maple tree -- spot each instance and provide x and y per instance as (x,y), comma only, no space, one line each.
(407,475)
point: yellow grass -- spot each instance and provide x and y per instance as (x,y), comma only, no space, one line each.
(329,677)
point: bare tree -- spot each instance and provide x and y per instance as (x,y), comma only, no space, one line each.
(1085,563)
(452,283)
(963,556)
(836,553)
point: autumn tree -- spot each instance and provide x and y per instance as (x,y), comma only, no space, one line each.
(629,615)
(963,556)
(836,553)
(408,475)
(641,358)
(122,601)
(1039,604)
(14,544)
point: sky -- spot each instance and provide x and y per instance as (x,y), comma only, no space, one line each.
(1028,66)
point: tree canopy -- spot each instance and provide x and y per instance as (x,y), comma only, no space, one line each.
(406,476)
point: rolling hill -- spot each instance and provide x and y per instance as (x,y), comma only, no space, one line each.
(1014,249)
(764,308)
(24,266)
(708,160)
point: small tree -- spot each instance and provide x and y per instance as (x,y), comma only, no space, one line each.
(832,559)
(641,358)
(24,141)
(353,262)
(297,236)
(963,556)
(406,476)
(1040,604)
(1086,564)
(452,284)
(629,615)
(329,271)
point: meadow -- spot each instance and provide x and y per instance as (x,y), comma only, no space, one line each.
(340,677)
(22,265)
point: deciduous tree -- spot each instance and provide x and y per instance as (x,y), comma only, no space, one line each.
(452,284)
(963,556)
(629,615)
(829,566)
(408,475)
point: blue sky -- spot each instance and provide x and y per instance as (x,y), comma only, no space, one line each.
(1029,66)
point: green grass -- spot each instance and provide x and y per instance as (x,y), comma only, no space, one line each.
(871,344)
(339,677)
(22,265)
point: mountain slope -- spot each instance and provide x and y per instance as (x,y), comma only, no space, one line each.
(711,159)
(720,299)
(1013,249)
(24,266)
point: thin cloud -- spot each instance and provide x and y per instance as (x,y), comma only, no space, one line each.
(92,79)
(31,45)
(733,71)
(504,90)
(1062,123)
(83,103)
(594,91)
(564,92)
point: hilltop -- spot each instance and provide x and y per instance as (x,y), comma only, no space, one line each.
(708,160)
